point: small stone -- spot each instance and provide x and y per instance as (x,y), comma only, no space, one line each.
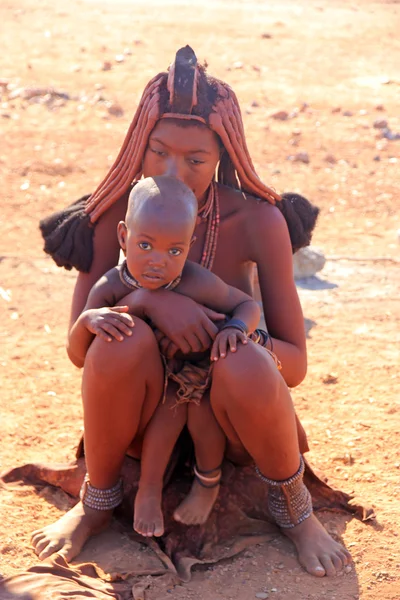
(330,378)
(347,569)
(301,157)
(120,58)
(380,124)
(296,132)
(255,104)
(238,65)
(347,113)
(262,595)
(329,158)
(107,66)
(266,36)
(389,135)
(336,109)
(377,158)
(280,115)
(380,107)
(115,110)
(307,262)
(76,68)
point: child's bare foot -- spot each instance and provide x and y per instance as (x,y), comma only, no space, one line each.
(148,517)
(197,506)
(67,535)
(318,553)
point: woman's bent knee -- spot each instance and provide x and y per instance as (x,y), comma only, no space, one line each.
(249,370)
(110,358)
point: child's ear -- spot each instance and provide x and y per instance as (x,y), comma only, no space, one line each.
(122,232)
(192,241)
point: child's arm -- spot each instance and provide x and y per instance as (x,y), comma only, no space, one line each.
(99,317)
(209,290)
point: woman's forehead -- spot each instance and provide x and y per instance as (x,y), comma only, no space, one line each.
(184,133)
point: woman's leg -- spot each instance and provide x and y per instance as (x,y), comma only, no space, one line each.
(253,406)
(159,441)
(121,387)
(209,445)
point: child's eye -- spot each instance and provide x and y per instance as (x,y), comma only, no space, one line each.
(175,251)
(144,245)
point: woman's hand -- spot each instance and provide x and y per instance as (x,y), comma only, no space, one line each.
(109,323)
(187,325)
(227,339)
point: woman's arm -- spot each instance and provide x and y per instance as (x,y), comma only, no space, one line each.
(271,250)
(105,255)
(206,288)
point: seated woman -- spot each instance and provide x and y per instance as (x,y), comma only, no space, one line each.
(156,237)
(188,125)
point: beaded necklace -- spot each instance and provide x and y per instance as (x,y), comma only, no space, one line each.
(210,212)
(133,284)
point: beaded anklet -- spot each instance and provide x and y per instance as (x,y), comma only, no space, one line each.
(289,501)
(204,480)
(101,499)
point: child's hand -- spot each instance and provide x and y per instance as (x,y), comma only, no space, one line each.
(227,339)
(109,323)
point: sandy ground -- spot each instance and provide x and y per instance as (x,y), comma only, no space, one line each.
(333,66)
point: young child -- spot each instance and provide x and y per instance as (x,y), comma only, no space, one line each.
(156,238)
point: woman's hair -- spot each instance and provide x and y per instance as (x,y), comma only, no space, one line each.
(186,92)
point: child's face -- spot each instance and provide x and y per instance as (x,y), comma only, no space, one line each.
(155,251)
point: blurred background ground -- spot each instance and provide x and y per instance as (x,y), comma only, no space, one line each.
(332,72)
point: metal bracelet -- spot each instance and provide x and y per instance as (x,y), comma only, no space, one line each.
(236,324)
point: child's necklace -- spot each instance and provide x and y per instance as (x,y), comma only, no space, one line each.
(133,284)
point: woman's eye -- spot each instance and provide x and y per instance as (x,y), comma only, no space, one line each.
(195,161)
(175,251)
(158,152)
(144,245)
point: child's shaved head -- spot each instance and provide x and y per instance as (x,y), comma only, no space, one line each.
(162,198)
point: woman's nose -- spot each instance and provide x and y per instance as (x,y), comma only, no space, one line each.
(175,168)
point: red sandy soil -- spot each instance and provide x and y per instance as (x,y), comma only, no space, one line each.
(334,67)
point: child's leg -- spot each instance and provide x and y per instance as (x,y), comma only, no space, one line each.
(159,440)
(209,445)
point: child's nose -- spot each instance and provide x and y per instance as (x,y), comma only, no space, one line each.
(157,259)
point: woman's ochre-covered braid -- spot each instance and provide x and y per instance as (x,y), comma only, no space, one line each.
(184,92)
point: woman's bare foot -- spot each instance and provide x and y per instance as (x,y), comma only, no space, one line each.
(67,535)
(148,517)
(197,506)
(318,553)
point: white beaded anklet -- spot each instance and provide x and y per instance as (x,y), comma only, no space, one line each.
(101,499)
(289,501)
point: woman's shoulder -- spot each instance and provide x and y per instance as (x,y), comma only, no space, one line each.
(254,212)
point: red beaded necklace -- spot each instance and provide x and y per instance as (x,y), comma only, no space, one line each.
(210,212)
